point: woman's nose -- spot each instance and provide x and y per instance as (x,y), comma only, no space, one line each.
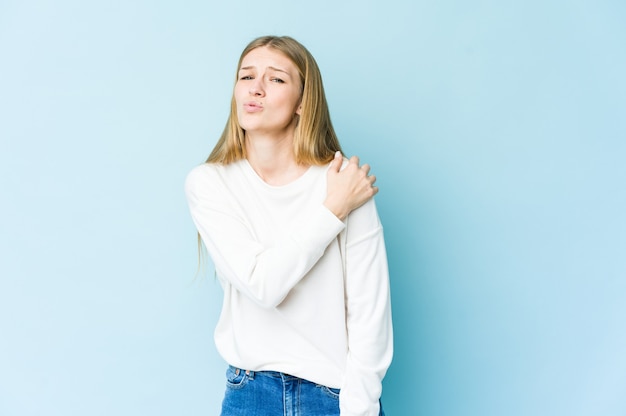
(256,88)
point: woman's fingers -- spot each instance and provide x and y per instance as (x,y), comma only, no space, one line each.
(349,188)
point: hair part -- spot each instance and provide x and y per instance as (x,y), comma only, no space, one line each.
(315,141)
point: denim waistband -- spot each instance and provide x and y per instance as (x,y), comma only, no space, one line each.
(266,373)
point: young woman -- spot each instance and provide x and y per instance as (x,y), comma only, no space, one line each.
(297,245)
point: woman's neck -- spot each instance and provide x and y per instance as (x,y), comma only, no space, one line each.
(273,159)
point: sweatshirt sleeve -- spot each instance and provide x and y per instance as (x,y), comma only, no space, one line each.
(264,273)
(368,314)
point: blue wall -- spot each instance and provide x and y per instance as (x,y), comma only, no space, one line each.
(497,130)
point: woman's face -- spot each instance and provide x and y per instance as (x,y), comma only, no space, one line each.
(267,93)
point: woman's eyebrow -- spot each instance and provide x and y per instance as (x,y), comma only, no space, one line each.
(278,69)
(273,68)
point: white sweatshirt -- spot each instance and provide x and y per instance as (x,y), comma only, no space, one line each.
(304,293)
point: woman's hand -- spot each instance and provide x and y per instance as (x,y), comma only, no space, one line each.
(349,188)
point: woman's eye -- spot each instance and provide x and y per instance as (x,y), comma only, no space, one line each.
(246,77)
(278,80)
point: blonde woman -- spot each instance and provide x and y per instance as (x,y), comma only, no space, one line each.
(297,245)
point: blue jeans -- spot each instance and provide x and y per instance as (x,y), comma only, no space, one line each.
(270,393)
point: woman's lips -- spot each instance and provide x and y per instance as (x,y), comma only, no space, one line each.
(253,107)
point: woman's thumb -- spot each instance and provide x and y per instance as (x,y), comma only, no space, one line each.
(337,161)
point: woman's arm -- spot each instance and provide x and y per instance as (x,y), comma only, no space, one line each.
(370,334)
(265,273)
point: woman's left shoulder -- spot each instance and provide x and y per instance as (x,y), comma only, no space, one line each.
(365,219)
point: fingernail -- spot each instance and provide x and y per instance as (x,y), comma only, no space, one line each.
(337,154)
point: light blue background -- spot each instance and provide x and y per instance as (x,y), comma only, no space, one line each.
(497,130)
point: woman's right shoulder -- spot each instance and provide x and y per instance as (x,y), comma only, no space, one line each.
(203,176)
(204,169)
(202,172)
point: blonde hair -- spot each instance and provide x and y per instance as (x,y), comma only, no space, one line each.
(315,141)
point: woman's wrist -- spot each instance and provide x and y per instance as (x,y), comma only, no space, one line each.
(337,210)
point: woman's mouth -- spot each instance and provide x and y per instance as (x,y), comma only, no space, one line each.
(252,107)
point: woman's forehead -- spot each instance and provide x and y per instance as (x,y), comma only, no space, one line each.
(265,56)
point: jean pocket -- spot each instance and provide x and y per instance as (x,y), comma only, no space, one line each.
(329,391)
(236,378)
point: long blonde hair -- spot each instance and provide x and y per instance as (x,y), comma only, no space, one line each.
(315,141)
